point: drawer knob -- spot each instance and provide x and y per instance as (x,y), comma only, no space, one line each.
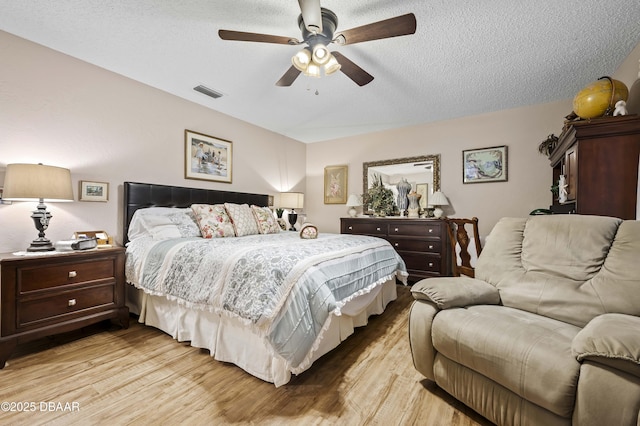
(72,302)
(430,246)
(396,244)
(351,228)
(72,274)
(396,229)
(377,229)
(430,230)
(430,264)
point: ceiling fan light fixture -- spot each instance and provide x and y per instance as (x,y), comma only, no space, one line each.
(321,54)
(332,65)
(302,59)
(313,70)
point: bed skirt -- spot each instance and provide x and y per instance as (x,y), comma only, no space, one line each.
(229,340)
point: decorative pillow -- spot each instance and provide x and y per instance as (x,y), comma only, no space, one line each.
(213,220)
(242,219)
(162,223)
(308,231)
(265,220)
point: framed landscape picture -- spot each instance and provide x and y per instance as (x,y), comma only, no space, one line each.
(484,165)
(93,191)
(207,157)
(335,184)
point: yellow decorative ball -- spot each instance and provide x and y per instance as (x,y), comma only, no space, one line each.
(594,100)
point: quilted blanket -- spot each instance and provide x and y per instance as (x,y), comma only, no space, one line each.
(285,288)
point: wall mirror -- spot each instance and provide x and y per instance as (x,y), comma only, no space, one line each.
(423,173)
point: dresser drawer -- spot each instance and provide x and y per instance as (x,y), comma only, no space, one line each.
(48,276)
(423,245)
(53,305)
(421,262)
(428,229)
(365,228)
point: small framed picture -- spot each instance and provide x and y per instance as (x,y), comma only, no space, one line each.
(485,165)
(335,184)
(94,191)
(207,157)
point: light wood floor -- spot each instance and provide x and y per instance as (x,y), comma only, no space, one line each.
(143,376)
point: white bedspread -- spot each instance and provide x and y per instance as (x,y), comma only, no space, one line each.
(280,287)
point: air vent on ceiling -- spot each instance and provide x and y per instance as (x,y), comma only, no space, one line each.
(207,91)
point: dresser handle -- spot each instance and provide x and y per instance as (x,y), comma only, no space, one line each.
(377,229)
(351,228)
(396,244)
(72,274)
(430,264)
(72,302)
(430,247)
(396,229)
(430,230)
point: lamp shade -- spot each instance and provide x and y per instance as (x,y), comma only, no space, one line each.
(28,182)
(302,59)
(331,66)
(438,199)
(292,200)
(354,201)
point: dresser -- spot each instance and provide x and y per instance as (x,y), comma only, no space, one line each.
(423,244)
(55,293)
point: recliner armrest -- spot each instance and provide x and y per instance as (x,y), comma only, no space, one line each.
(455,292)
(610,339)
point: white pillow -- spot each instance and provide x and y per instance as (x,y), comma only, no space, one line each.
(163,223)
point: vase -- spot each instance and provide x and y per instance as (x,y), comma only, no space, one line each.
(414,204)
(403,190)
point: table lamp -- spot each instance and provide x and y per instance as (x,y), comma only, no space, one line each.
(292,200)
(436,200)
(37,182)
(353,202)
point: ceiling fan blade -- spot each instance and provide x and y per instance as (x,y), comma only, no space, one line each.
(289,77)
(351,70)
(311,15)
(392,27)
(260,38)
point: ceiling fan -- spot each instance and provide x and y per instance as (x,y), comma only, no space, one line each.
(318,26)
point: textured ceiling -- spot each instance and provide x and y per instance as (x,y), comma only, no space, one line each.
(466,57)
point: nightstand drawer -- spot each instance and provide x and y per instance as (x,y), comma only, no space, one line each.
(428,246)
(48,276)
(415,229)
(51,306)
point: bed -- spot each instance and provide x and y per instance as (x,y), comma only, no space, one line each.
(261,298)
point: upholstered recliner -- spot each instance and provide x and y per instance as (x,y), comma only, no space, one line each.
(548,331)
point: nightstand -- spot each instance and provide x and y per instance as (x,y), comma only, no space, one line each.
(55,293)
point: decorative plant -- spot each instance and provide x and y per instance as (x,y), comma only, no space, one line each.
(279,212)
(378,198)
(548,145)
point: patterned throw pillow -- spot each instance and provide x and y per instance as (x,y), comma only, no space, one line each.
(213,220)
(266,220)
(242,219)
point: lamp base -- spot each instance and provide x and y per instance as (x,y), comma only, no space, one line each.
(353,212)
(438,212)
(293,218)
(40,244)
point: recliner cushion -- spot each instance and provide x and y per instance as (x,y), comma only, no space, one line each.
(524,352)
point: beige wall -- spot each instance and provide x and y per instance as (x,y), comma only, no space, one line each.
(521,129)
(104,127)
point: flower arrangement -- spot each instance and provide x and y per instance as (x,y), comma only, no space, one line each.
(378,198)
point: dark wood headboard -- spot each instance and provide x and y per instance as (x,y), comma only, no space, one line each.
(143,195)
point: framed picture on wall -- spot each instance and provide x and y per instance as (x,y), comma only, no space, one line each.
(93,191)
(485,165)
(207,157)
(335,184)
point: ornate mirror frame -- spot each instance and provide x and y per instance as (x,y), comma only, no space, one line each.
(435,159)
